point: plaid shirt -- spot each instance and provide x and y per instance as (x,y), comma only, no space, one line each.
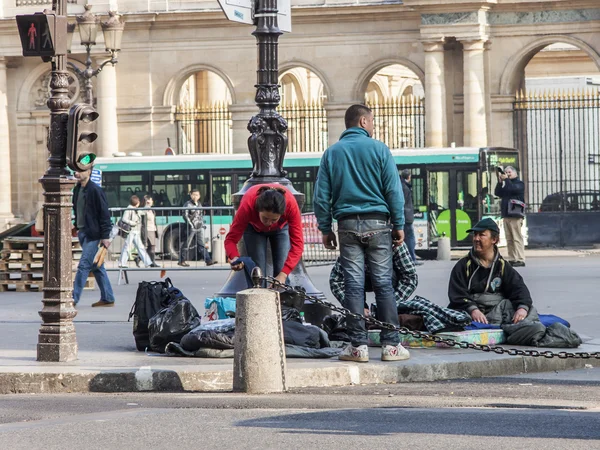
(405,276)
(435,317)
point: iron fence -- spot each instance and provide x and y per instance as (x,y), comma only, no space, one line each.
(558,135)
(174,236)
(400,121)
(307,127)
(204,129)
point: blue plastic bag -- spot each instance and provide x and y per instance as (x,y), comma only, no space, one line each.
(219,308)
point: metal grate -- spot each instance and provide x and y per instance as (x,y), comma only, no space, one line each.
(204,129)
(558,135)
(307,127)
(400,121)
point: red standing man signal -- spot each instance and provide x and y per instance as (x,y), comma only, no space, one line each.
(32,34)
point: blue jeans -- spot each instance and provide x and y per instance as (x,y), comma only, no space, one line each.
(409,239)
(88,252)
(134,240)
(256,247)
(368,241)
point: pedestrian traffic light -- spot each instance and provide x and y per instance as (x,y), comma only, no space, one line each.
(43,34)
(80,137)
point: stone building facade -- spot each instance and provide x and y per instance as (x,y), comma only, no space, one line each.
(469,56)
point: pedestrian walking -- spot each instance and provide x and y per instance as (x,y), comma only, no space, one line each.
(194,231)
(149,231)
(92,221)
(512,208)
(267,214)
(132,218)
(358,185)
(409,215)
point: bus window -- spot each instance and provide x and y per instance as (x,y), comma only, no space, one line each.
(439,201)
(303,181)
(221,191)
(129,184)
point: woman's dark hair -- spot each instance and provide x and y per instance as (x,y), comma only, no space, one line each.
(271,199)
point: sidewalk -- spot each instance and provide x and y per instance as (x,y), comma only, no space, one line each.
(108,361)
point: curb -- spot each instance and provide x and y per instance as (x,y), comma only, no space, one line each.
(146,379)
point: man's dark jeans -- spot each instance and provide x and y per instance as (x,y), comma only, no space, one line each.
(409,240)
(368,241)
(192,234)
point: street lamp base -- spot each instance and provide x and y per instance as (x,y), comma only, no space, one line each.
(57,343)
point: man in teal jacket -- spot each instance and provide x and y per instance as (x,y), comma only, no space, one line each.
(358,185)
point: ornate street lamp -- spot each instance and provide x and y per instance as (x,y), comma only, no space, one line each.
(88,29)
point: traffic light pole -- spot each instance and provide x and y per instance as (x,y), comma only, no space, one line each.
(57,340)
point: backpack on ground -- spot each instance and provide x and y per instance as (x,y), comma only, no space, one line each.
(151,297)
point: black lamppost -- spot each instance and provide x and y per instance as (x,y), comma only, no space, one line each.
(88,29)
(268,142)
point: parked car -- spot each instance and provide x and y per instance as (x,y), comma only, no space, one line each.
(571,201)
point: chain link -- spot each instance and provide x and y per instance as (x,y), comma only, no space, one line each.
(281,345)
(431,337)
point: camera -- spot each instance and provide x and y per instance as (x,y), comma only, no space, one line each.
(500,170)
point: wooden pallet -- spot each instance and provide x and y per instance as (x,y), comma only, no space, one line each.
(25,256)
(18,266)
(31,243)
(33,286)
(21,276)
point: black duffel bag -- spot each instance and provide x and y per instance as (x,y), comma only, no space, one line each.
(151,297)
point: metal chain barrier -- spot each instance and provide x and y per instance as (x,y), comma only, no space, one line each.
(281,346)
(430,337)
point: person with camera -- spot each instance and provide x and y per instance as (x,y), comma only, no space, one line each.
(512,208)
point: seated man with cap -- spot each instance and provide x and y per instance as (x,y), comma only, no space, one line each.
(484,285)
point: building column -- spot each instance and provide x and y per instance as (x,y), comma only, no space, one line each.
(5,186)
(435,95)
(106,105)
(335,120)
(475,132)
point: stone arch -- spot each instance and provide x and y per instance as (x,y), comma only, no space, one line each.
(170,96)
(367,74)
(288,65)
(511,76)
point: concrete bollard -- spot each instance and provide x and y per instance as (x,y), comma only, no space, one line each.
(443,249)
(259,354)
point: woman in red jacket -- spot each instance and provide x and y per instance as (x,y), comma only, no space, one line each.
(267,212)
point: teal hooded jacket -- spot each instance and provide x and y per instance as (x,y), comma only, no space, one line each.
(358,175)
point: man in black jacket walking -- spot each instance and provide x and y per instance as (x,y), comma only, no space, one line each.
(510,188)
(92,220)
(194,230)
(409,215)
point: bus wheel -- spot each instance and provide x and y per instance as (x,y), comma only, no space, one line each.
(171,243)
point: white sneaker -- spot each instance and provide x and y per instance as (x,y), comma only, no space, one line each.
(357,354)
(394,353)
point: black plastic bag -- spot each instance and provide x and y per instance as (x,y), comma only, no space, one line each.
(335,327)
(172,323)
(288,314)
(192,342)
(293,299)
(151,297)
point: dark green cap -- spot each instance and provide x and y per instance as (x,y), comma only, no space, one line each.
(485,224)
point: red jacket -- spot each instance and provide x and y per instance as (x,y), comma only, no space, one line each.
(247,214)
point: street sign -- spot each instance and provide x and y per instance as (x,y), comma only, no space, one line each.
(43,34)
(96,177)
(243,11)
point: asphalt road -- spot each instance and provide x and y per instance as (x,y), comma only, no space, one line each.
(558,412)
